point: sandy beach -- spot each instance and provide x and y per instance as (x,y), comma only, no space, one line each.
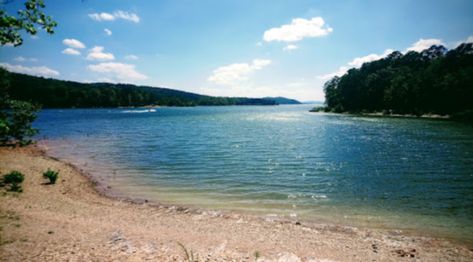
(72,221)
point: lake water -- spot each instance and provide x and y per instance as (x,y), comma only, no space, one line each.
(409,174)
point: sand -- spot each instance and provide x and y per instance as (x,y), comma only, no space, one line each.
(72,221)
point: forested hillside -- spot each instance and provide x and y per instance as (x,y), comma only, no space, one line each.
(434,81)
(52,93)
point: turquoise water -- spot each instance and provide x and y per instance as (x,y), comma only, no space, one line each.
(409,174)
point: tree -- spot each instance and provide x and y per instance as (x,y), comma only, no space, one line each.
(27,19)
(17,116)
(434,81)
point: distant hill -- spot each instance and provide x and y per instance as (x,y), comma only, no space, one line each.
(283,101)
(53,93)
(434,81)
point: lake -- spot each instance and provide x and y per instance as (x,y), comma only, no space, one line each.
(410,174)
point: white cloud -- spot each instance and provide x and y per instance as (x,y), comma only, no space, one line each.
(290,47)
(356,63)
(24,59)
(127,16)
(117,72)
(359,61)
(116,15)
(108,31)
(469,39)
(20,59)
(131,57)
(341,71)
(423,44)
(298,29)
(234,73)
(96,53)
(34,70)
(301,89)
(102,17)
(70,51)
(73,43)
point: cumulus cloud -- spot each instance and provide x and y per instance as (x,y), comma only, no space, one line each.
(96,53)
(132,17)
(469,39)
(33,70)
(356,63)
(117,72)
(290,47)
(70,51)
(131,57)
(108,31)
(341,71)
(301,89)
(359,61)
(235,73)
(423,44)
(73,43)
(298,29)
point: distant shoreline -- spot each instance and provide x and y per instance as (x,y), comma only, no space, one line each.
(380,114)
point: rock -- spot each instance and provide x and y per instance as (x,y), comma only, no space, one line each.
(289,257)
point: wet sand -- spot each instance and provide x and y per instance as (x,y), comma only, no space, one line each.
(73,220)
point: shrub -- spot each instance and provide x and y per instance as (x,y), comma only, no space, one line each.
(14,179)
(51,175)
(16,117)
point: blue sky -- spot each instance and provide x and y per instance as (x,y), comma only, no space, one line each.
(232,48)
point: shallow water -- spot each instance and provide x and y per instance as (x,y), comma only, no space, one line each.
(408,174)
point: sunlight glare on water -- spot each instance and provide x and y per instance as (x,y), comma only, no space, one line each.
(388,172)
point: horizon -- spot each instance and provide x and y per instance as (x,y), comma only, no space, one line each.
(230,49)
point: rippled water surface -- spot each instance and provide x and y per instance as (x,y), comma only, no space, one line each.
(382,172)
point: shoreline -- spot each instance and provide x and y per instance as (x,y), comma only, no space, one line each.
(103,188)
(234,235)
(381,114)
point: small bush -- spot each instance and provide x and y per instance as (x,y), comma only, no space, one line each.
(14,179)
(51,175)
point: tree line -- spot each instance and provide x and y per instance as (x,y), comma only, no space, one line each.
(53,93)
(433,81)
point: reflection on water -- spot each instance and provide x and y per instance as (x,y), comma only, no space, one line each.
(403,173)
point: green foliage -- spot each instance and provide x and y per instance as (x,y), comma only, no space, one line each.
(16,116)
(51,175)
(22,116)
(189,254)
(52,93)
(257,255)
(14,180)
(433,81)
(28,19)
